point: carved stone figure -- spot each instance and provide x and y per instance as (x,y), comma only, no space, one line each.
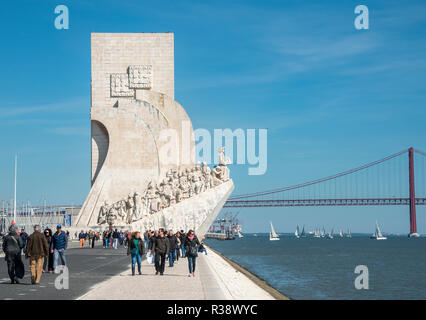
(174,188)
(130,203)
(216,175)
(103,213)
(137,211)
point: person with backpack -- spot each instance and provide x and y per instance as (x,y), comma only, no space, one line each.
(191,248)
(136,250)
(12,246)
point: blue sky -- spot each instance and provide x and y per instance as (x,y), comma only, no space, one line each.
(332,97)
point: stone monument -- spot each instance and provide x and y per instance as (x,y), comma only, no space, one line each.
(134,185)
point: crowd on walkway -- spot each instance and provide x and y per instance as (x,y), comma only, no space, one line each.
(42,249)
(161,245)
(110,239)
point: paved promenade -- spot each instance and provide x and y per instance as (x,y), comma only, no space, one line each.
(215,279)
(87,267)
(104,274)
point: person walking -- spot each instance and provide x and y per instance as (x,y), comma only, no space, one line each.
(93,239)
(191,248)
(37,249)
(24,237)
(172,248)
(104,239)
(178,246)
(161,248)
(59,245)
(150,245)
(136,250)
(115,236)
(12,246)
(182,243)
(82,238)
(48,259)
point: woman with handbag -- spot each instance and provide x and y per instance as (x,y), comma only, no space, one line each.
(135,249)
(191,248)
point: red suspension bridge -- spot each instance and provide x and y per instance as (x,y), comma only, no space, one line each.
(388,181)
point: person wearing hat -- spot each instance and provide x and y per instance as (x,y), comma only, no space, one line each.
(12,246)
(59,245)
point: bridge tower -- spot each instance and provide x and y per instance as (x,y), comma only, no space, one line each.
(413,224)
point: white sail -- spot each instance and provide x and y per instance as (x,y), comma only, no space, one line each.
(273,235)
(296,233)
(378,232)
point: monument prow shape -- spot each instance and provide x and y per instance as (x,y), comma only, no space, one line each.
(143,171)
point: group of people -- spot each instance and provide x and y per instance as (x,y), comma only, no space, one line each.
(161,245)
(45,249)
(42,249)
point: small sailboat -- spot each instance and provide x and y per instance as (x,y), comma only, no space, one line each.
(273,235)
(296,233)
(303,234)
(378,234)
(341,234)
(323,232)
(330,235)
(349,234)
(317,234)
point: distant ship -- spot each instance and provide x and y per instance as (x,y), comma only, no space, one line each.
(349,234)
(323,232)
(273,235)
(341,234)
(296,233)
(377,234)
(330,235)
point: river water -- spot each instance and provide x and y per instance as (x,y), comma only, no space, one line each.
(319,268)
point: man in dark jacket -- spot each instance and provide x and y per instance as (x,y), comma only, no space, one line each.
(161,249)
(37,249)
(59,245)
(115,236)
(24,237)
(12,245)
(172,247)
(82,238)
